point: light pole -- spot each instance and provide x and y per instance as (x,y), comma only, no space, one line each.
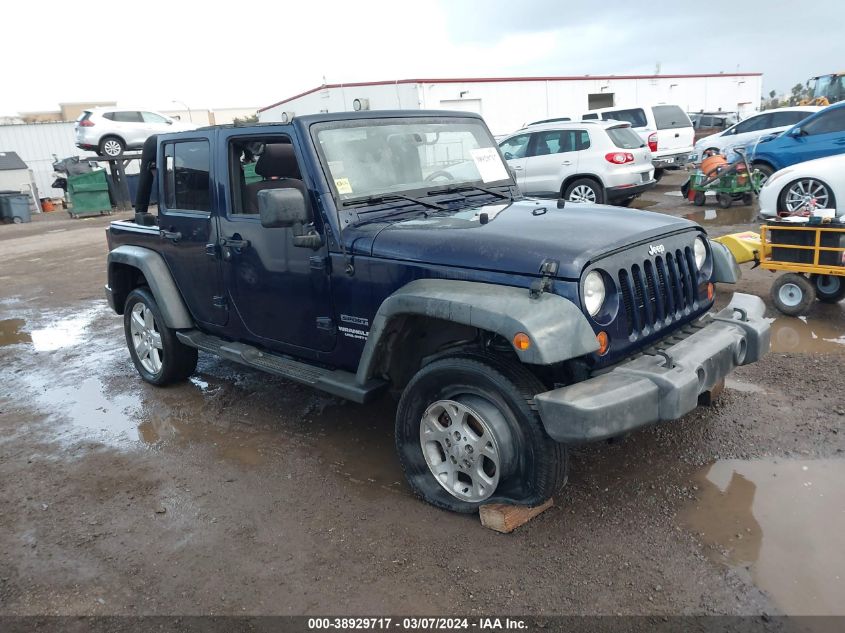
(190,116)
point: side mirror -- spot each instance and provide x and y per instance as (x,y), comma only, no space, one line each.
(280,208)
(169,121)
(176,117)
(508,156)
(766,138)
(796,132)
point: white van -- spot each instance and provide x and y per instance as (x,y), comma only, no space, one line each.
(666,128)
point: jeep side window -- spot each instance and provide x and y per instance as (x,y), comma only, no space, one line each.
(262,163)
(186,176)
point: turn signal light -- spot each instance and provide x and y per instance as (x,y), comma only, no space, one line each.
(711,291)
(619,158)
(521,341)
(604,342)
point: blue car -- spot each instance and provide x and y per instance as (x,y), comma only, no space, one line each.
(819,135)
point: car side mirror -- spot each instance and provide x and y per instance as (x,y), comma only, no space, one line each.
(169,122)
(508,156)
(288,208)
(796,132)
(282,208)
(768,137)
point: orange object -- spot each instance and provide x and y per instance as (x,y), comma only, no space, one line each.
(47,205)
(713,163)
(521,341)
(710,291)
(604,342)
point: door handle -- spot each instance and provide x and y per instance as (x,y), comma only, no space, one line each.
(516,168)
(170,235)
(233,242)
(566,162)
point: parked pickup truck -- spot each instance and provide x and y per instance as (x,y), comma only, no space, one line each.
(373,252)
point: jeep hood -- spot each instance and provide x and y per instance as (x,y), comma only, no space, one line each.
(519,236)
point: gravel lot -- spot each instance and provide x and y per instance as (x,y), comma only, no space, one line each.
(240,493)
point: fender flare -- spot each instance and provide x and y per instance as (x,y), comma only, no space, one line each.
(557,328)
(164,289)
(725,268)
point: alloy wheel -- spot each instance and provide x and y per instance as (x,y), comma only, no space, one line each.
(146,339)
(112,147)
(460,448)
(582,193)
(802,192)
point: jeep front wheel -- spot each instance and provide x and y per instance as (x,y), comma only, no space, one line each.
(468,433)
(158,355)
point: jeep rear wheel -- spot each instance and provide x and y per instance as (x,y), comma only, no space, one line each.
(468,433)
(158,355)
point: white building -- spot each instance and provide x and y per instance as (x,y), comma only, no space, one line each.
(508,103)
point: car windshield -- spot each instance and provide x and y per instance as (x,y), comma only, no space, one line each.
(373,157)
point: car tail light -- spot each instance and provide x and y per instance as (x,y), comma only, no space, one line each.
(652,141)
(619,158)
(86,123)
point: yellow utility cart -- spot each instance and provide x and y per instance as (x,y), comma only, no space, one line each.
(812,257)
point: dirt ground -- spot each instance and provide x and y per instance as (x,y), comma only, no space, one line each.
(241,493)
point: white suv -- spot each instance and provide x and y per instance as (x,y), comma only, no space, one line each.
(111,131)
(580,161)
(666,128)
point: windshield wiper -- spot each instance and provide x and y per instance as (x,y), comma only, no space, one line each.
(391,216)
(376,199)
(461,188)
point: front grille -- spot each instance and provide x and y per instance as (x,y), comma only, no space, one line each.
(658,292)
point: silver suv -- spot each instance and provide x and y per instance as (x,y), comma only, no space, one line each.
(111,131)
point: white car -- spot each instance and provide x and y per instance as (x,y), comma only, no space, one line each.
(754,127)
(580,161)
(791,188)
(666,128)
(111,131)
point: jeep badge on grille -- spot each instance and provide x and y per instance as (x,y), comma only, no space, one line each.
(656,249)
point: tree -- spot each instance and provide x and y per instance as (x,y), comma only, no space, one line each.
(247,120)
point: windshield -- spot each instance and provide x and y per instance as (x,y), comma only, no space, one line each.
(372,157)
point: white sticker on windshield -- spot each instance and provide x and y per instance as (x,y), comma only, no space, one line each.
(489,164)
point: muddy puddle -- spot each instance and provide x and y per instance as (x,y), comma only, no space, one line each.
(782,522)
(808,336)
(12,332)
(724,217)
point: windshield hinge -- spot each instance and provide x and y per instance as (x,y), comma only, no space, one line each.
(548,269)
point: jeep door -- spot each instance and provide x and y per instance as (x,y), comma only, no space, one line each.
(187,224)
(280,291)
(553,157)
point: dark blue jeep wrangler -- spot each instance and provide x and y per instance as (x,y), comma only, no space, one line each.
(373,251)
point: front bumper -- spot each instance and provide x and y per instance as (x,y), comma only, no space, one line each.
(621,193)
(664,383)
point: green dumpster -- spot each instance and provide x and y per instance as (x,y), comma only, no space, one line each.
(14,207)
(89,194)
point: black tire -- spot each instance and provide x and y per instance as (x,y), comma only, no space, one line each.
(831,199)
(177,360)
(793,294)
(725,200)
(829,288)
(579,184)
(109,142)
(699,199)
(533,466)
(747,199)
(658,173)
(764,169)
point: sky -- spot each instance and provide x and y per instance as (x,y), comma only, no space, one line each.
(223,53)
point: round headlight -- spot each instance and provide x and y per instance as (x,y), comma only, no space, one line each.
(594,292)
(700,252)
